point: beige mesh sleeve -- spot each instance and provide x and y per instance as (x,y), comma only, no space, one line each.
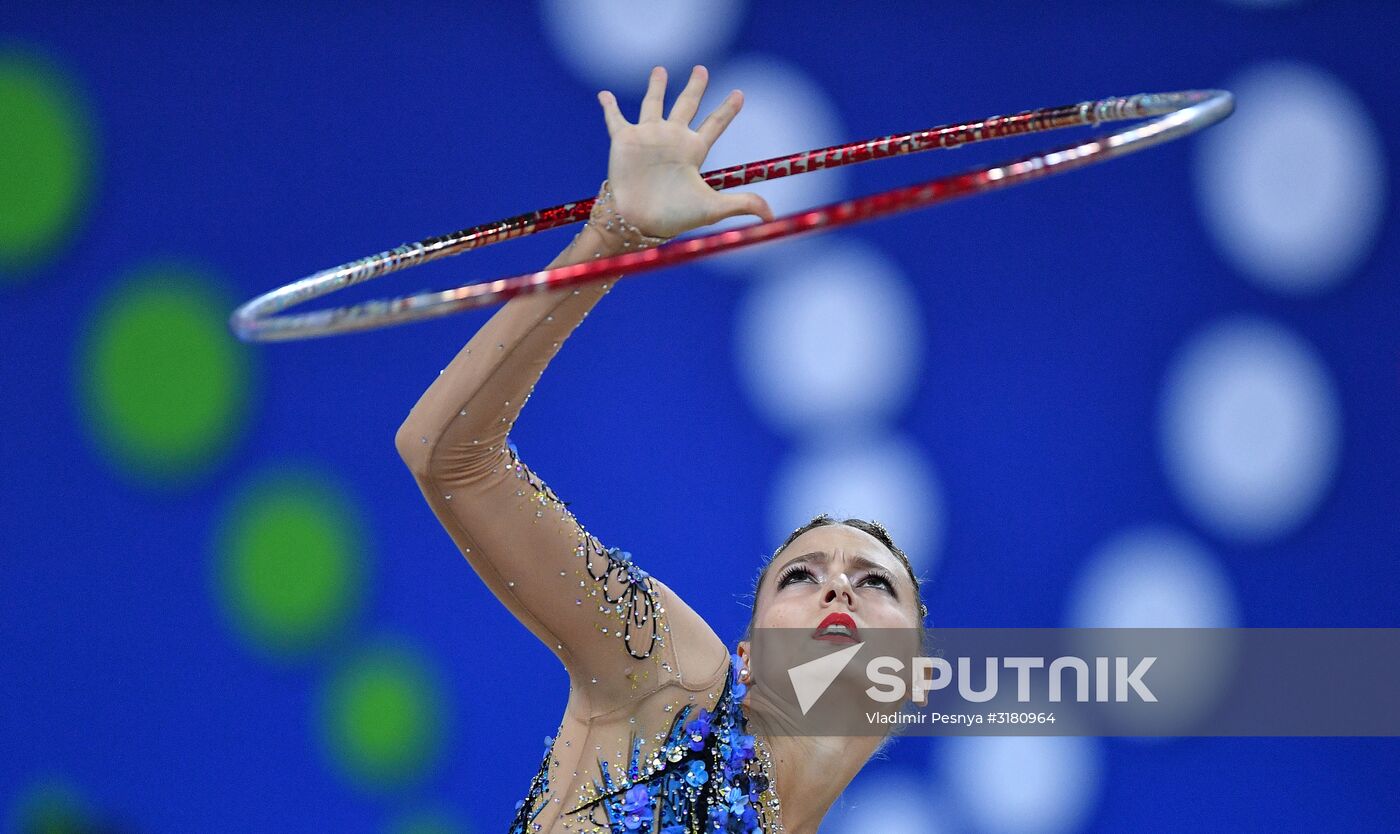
(618,631)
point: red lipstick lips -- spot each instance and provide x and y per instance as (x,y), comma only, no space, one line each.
(832,629)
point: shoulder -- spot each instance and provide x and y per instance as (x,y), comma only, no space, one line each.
(699,657)
(687,655)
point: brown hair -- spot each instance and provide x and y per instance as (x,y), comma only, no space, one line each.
(874,528)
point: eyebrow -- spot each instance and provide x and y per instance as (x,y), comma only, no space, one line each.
(821,557)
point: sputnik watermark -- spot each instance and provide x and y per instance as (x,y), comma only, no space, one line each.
(1106,682)
(932,674)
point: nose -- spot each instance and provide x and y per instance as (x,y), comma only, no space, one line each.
(839,587)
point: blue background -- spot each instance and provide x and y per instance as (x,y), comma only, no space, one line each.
(265,141)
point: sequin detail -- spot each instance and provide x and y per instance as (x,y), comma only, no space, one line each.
(623,590)
(704,777)
(527,809)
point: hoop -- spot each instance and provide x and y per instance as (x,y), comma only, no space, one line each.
(1180,113)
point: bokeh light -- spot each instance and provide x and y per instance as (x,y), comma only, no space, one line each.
(291,562)
(164,387)
(383,716)
(429,822)
(51,806)
(46,160)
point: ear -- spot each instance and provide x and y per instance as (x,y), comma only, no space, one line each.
(743,651)
(922,700)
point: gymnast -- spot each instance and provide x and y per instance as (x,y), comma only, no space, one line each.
(659,733)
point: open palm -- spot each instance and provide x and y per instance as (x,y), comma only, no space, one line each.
(654,165)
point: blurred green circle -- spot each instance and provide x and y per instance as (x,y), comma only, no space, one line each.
(429,822)
(383,717)
(46,160)
(291,562)
(164,384)
(51,806)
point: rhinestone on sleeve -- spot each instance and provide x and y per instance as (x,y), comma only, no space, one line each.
(618,586)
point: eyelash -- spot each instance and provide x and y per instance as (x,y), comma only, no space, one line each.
(791,571)
(800,570)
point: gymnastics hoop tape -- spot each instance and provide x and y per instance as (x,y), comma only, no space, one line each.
(1180,113)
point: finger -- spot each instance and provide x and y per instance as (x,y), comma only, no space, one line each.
(683,111)
(742,203)
(611,115)
(656,92)
(720,117)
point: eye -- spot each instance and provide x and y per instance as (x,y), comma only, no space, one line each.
(879,580)
(788,575)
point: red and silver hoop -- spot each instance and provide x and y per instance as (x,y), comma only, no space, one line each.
(1178,113)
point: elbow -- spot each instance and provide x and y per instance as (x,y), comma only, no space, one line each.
(433,454)
(452,432)
(414,445)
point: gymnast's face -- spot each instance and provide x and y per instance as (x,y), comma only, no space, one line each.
(836,582)
(836,569)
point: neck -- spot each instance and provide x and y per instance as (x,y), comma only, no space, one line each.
(809,772)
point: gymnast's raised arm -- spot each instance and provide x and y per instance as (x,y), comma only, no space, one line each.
(618,631)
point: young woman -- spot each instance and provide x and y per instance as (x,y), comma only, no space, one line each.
(658,734)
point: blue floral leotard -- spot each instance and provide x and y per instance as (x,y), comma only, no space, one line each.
(706,777)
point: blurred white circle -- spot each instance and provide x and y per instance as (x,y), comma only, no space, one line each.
(1023,784)
(1251,429)
(884,479)
(1152,577)
(615,43)
(1293,184)
(784,112)
(831,340)
(888,804)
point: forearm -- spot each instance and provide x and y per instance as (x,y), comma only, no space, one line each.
(587,245)
(477,397)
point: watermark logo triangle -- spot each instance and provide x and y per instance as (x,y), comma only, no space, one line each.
(812,678)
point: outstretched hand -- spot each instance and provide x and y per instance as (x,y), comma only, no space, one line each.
(654,165)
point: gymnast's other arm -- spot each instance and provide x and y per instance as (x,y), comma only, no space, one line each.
(555,577)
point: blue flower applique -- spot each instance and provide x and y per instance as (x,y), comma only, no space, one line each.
(636,806)
(696,775)
(699,729)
